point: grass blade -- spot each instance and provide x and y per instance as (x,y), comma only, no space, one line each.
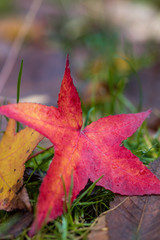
(19,86)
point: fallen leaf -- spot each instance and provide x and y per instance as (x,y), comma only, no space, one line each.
(136,217)
(14,151)
(87,153)
(11,228)
(99,230)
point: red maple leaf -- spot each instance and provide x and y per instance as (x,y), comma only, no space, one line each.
(87,153)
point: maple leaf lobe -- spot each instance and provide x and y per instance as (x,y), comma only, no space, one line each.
(68,100)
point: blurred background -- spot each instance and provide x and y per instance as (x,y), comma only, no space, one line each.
(114,49)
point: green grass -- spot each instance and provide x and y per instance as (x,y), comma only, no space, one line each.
(74,223)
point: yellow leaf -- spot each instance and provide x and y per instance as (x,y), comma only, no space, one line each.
(14,151)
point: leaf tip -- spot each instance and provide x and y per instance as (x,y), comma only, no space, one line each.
(33,230)
(67,63)
(148,112)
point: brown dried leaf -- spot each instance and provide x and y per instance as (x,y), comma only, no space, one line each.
(134,217)
(15,224)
